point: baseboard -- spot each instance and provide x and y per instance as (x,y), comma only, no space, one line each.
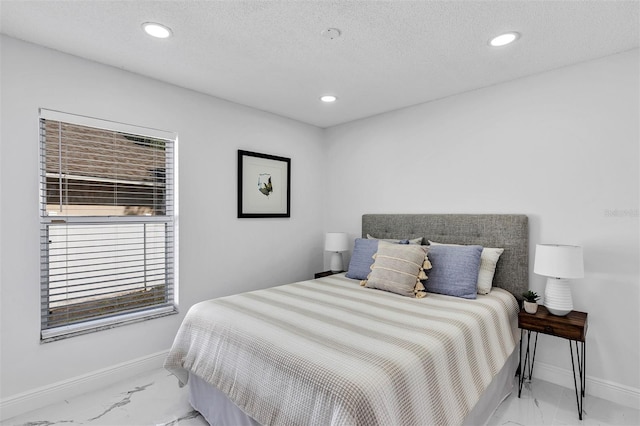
(615,392)
(56,392)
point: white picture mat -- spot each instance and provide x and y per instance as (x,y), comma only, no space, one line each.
(254,201)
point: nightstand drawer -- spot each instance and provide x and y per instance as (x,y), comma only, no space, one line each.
(573,326)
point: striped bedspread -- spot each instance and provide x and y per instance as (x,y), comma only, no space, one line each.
(330,352)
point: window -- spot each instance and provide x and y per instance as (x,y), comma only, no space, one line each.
(107,228)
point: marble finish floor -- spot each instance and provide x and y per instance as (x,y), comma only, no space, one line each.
(155,399)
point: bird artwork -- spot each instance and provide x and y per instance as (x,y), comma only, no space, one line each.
(265,187)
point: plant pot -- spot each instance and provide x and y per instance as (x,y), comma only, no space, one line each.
(530,307)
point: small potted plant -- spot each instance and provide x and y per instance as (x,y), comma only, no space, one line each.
(530,301)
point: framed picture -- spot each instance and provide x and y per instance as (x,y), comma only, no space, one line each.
(264,185)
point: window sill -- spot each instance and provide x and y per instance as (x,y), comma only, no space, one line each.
(64,332)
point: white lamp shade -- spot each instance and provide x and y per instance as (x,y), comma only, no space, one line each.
(336,242)
(559,261)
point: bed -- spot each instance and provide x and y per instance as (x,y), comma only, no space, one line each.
(332,351)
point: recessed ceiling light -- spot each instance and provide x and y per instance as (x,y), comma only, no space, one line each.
(504,39)
(156,30)
(328,98)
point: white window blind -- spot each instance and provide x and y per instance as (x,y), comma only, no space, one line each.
(107,208)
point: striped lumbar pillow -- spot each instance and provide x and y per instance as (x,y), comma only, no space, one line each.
(399,269)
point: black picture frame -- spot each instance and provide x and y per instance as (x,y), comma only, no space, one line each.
(264,185)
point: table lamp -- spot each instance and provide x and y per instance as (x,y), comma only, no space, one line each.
(336,242)
(558,263)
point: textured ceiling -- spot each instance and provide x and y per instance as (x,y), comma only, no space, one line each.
(270,55)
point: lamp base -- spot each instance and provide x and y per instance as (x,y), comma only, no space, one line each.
(336,262)
(557,297)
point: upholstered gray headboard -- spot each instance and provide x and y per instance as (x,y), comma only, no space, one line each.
(508,231)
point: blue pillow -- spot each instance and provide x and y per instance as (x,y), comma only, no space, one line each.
(454,270)
(362,258)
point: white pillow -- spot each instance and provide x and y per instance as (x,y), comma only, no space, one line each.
(488,261)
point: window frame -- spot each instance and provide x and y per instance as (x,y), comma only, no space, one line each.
(169,218)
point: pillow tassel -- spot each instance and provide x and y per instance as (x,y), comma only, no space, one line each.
(419,290)
(426,264)
(363,282)
(422,275)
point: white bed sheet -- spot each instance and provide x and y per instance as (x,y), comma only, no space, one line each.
(338,353)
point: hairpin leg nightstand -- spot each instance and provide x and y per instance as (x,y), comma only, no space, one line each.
(572,327)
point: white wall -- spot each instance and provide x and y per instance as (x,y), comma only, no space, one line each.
(561,147)
(219,254)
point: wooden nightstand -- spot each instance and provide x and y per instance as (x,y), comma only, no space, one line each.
(325,274)
(572,327)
